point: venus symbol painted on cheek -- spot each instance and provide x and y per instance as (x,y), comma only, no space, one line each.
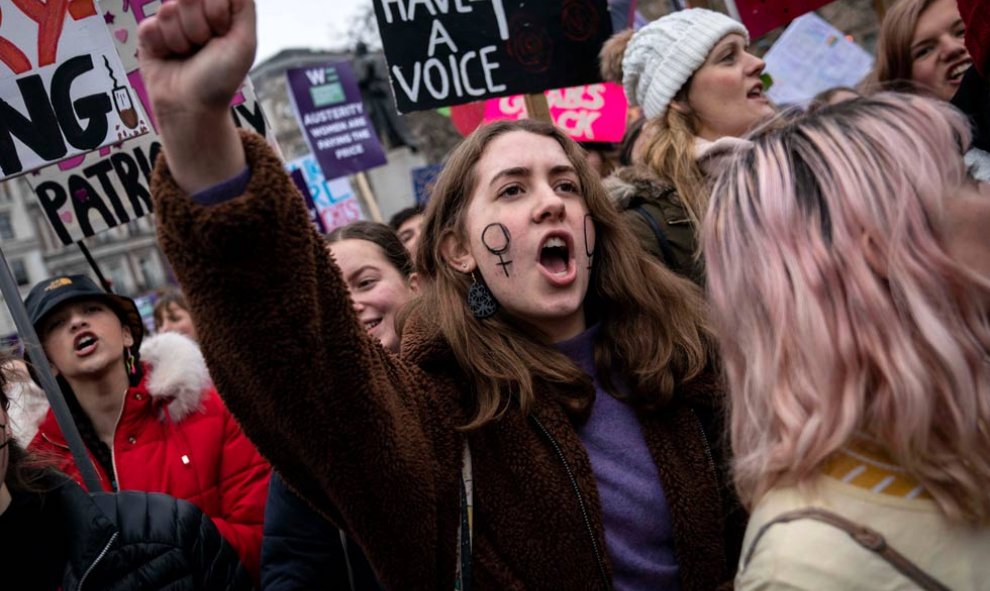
(497,240)
(589,238)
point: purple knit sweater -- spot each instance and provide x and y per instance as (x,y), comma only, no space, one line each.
(638,531)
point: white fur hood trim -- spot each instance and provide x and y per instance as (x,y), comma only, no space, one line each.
(176,372)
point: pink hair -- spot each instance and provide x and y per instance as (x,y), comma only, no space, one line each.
(838,308)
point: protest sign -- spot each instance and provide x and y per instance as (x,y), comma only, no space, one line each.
(335,200)
(763,16)
(448,52)
(63,90)
(330,111)
(811,40)
(591,113)
(102,191)
(423,179)
(84,195)
(468,117)
(299,180)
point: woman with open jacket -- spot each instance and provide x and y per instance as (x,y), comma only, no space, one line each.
(557,431)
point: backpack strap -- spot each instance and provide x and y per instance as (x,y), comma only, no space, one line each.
(862,535)
(662,242)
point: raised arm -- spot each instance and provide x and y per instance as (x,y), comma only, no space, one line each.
(350,427)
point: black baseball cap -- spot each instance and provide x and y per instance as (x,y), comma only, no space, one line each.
(51,293)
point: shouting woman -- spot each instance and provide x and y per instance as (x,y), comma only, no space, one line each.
(552,419)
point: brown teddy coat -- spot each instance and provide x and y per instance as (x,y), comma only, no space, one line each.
(371,439)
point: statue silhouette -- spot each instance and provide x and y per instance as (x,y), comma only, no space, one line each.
(372,76)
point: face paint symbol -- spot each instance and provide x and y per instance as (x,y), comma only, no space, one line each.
(589,231)
(497,240)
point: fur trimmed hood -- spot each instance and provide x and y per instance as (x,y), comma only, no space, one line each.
(176,373)
(637,181)
(640,181)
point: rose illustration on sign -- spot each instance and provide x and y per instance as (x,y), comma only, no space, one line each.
(529,44)
(579,19)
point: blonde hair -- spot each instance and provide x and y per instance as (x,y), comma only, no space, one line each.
(893,70)
(671,155)
(839,309)
(670,152)
(653,329)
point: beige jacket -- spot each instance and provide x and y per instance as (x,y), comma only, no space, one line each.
(812,555)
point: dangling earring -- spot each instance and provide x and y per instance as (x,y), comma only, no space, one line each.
(481,301)
(129,362)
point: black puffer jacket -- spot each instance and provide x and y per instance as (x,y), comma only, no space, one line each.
(135,540)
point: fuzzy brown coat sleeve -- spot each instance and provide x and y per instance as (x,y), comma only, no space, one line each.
(349,426)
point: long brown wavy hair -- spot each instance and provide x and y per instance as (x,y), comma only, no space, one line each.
(653,334)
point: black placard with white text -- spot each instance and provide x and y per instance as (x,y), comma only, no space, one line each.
(448,52)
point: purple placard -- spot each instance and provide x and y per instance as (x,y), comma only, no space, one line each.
(328,107)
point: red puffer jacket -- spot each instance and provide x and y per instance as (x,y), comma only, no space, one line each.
(175,436)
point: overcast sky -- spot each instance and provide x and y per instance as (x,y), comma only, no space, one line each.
(319,24)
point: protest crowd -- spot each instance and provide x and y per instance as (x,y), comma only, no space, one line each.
(748,347)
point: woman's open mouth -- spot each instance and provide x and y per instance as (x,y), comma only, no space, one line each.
(84,344)
(554,256)
(756,92)
(957,71)
(556,260)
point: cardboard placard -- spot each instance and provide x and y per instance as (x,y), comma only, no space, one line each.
(63,90)
(329,108)
(448,52)
(590,113)
(90,193)
(335,201)
(812,40)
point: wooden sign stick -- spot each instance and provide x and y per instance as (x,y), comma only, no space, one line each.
(538,108)
(368,196)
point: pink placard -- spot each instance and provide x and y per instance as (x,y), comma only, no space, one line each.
(590,113)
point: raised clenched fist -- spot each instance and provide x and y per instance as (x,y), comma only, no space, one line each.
(194,55)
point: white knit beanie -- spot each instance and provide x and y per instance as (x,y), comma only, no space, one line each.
(662,56)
